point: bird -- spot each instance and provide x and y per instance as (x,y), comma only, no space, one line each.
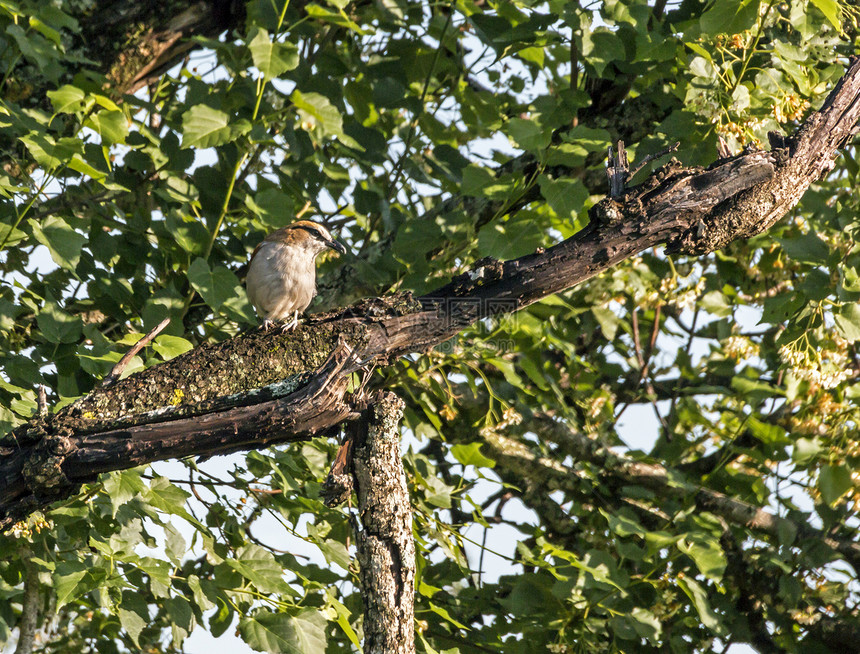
(281,279)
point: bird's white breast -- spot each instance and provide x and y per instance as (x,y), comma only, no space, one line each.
(281,280)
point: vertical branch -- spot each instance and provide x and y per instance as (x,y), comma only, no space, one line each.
(386,549)
(617,169)
(29,605)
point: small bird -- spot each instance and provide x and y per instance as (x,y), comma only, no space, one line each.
(281,280)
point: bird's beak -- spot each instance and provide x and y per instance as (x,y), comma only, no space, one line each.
(337,246)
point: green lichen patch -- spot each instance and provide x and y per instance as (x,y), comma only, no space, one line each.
(251,361)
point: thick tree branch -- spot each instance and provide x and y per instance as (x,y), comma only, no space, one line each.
(384,543)
(692,210)
(29,605)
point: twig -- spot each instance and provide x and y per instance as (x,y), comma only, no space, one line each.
(303,210)
(42,400)
(644,366)
(692,334)
(651,157)
(617,168)
(116,371)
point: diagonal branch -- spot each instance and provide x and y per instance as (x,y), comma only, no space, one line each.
(665,482)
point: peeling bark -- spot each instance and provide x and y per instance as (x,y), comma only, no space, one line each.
(384,543)
(691,210)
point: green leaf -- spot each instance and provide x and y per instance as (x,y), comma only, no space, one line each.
(567,197)
(11,236)
(205,127)
(781,307)
(202,596)
(755,390)
(706,553)
(699,597)
(272,207)
(272,59)
(39,50)
(832,12)
(316,109)
(78,164)
(133,623)
(847,319)
(729,17)
(169,346)
(639,623)
(624,523)
(335,552)
(66,580)
(767,433)
(280,633)
(445,615)
(833,482)
(48,153)
(45,30)
(9,189)
(528,134)
(475,180)
(808,248)
(338,18)
(67,99)
(122,486)
(508,240)
(111,126)
(608,321)
(470,455)
(62,241)
(166,497)
(260,568)
(58,326)
(806,450)
(190,234)
(716,303)
(180,617)
(174,544)
(601,48)
(220,289)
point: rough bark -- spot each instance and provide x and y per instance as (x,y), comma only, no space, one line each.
(29,605)
(692,210)
(384,543)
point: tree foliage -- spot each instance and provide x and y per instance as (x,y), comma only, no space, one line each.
(429,136)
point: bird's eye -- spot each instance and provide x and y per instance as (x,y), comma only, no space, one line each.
(313,231)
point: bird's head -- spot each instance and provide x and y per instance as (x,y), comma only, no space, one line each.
(312,237)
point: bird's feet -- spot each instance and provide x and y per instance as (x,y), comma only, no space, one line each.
(285,327)
(290,326)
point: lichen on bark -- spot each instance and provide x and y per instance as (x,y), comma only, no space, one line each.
(385,545)
(256,360)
